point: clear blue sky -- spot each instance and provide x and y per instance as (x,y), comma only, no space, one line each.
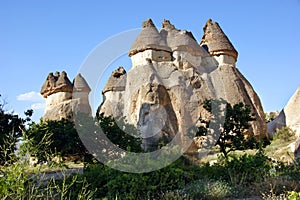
(38,37)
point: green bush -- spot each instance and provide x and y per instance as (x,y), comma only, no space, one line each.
(62,134)
(117,131)
(11,129)
(17,183)
(240,170)
(247,168)
(294,195)
(236,123)
(285,133)
(209,190)
(19,180)
(112,183)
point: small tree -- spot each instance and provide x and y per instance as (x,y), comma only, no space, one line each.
(120,133)
(49,138)
(233,134)
(11,127)
(270,116)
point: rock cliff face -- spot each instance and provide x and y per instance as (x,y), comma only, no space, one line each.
(290,117)
(63,97)
(171,76)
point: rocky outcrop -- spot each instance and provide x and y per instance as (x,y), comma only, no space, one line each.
(63,97)
(289,116)
(56,83)
(171,76)
(216,42)
(113,94)
(149,38)
(297,149)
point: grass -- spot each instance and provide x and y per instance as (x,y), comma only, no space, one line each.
(279,149)
(268,186)
(61,166)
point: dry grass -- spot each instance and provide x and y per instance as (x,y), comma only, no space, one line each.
(279,150)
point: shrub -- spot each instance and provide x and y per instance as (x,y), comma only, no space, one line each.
(285,133)
(117,131)
(62,134)
(236,123)
(153,185)
(11,128)
(294,195)
(240,170)
(247,168)
(16,182)
(275,187)
(211,189)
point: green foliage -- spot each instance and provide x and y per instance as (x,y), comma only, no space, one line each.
(240,170)
(111,183)
(182,181)
(210,190)
(236,123)
(13,182)
(62,189)
(11,127)
(16,182)
(270,116)
(231,176)
(247,168)
(294,195)
(53,138)
(285,133)
(117,131)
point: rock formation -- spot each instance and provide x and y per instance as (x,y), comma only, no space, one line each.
(297,149)
(171,76)
(290,117)
(217,43)
(63,97)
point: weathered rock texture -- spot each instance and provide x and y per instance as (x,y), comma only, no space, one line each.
(216,42)
(297,148)
(63,97)
(171,76)
(290,117)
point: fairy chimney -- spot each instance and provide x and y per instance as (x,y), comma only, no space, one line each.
(63,97)
(149,46)
(171,77)
(218,44)
(81,92)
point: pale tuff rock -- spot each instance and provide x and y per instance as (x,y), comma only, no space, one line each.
(116,81)
(181,40)
(113,93)
(217,43)
(149,38)
(80,84)
(56,83)
(290,117)
(297,148)
(63,97)
(171,76)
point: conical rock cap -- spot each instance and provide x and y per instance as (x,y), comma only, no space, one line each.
(149,38)
(80,84)
(216,41)
(180,40)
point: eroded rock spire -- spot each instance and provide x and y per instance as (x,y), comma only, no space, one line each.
(216,42)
